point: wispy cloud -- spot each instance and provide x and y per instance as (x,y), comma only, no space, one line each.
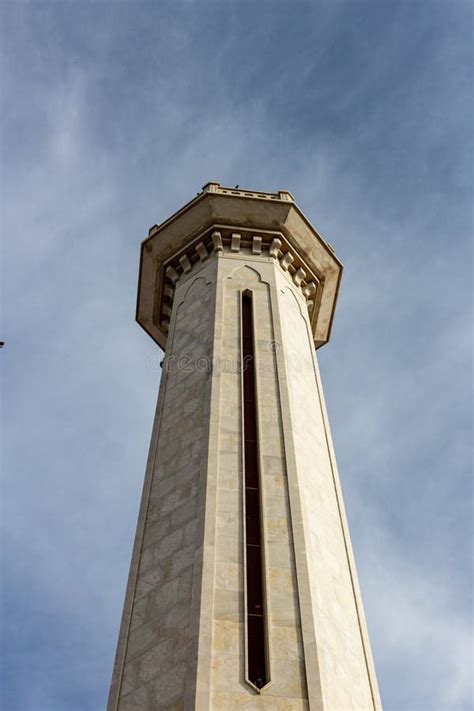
(114,115)
(422,641)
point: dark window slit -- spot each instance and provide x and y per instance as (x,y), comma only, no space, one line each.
(256,661)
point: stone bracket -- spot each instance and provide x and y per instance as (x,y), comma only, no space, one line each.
(225,239)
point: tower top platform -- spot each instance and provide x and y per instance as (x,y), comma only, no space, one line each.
(222,220)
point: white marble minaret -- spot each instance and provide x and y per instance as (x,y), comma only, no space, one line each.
(242,592)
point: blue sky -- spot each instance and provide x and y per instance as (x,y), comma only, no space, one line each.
(114,115)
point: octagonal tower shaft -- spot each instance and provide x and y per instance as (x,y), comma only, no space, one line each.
(242,589)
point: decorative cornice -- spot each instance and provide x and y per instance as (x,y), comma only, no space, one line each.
(223,239)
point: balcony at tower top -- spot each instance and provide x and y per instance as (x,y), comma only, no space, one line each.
(264,225)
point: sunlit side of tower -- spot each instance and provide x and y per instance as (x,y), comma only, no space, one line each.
(242,591)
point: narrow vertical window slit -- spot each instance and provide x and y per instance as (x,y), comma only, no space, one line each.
(256,647)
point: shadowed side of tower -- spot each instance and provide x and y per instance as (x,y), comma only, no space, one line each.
(242,589)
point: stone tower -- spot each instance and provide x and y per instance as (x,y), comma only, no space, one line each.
(242,591)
